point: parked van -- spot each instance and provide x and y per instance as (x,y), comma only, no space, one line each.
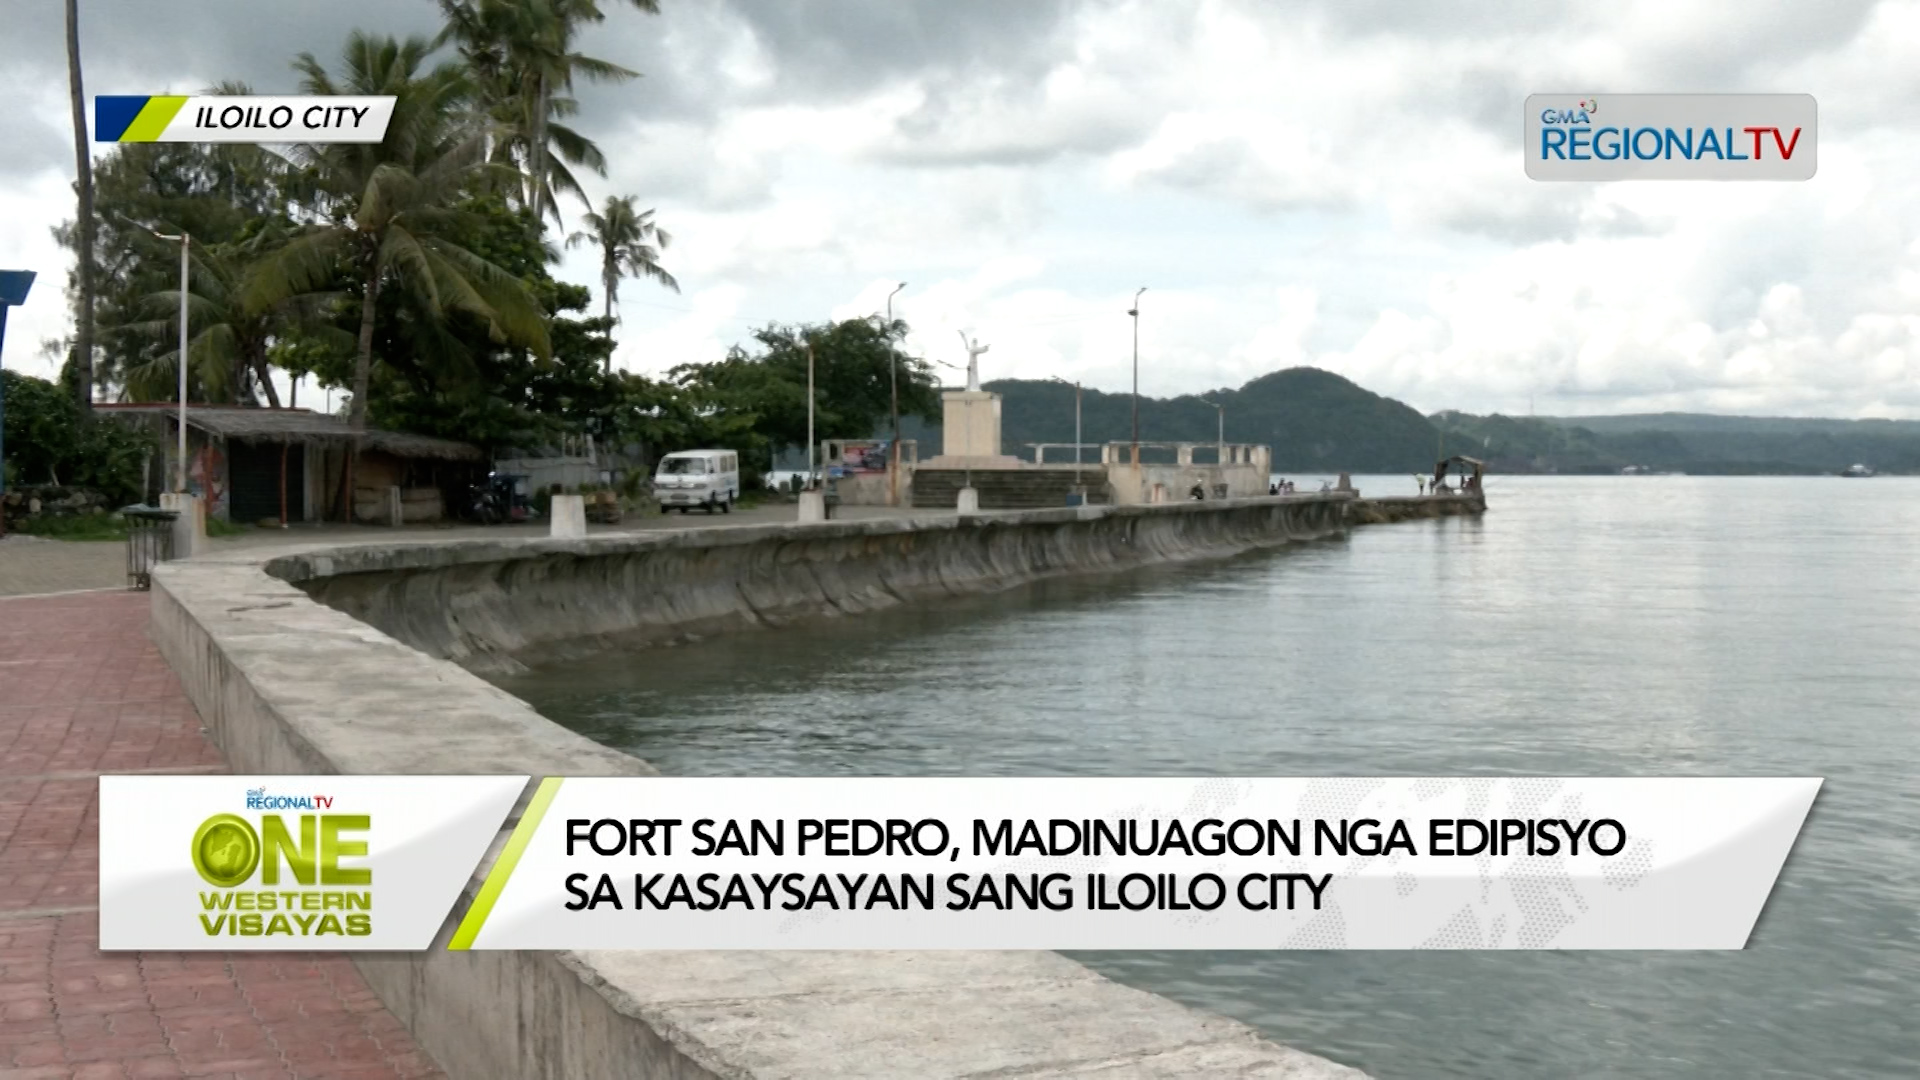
(690,478)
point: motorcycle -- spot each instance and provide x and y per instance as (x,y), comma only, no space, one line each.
(496,500)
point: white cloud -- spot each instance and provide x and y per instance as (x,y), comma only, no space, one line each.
(1334,184)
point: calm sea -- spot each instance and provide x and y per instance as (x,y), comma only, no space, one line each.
(1603,626)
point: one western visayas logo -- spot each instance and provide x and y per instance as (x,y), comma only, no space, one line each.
(294,874)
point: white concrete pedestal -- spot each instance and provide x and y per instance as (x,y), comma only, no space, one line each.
(969,501)
(190,528)
(569,515)
(813,507)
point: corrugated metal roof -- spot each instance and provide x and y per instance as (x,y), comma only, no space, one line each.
(297,425)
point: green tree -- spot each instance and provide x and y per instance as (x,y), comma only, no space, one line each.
(394,207)
(852,377)
(221,196)
(228,350)
(51,441)
(630,245)
(522,57)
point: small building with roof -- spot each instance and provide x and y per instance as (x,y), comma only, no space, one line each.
(255,464)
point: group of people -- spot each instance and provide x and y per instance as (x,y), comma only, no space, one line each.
(1438,485)
(1284,487)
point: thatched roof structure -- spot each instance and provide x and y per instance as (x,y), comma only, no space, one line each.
(296,425)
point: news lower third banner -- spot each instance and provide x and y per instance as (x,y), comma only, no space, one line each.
(948,863)
(266,120)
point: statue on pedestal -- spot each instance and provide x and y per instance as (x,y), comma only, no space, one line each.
(974,349)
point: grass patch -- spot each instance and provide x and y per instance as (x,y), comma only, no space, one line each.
(217,527)
(78,527)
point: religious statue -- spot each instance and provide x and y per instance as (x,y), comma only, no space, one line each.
(974,349)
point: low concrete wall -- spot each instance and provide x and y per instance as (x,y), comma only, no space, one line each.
(499,606)
(288,685)
(1413,508)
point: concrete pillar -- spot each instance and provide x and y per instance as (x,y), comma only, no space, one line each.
(190,528)
(1186,455)
(395,507)
(969,501)
(813,507)
(569,517)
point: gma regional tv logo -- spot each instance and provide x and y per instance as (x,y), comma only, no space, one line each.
(294,874)
(1671,137)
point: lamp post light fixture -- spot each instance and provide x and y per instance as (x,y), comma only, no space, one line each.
(180,467)
(893,372)
(1135,312)
(1077,483)
(1220,412)
(810,479)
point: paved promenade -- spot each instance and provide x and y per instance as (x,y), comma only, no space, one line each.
(31,567)
(83,692)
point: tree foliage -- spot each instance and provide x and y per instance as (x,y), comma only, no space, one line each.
(764,392)
(51,440)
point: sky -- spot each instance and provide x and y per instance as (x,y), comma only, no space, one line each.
(1336,183)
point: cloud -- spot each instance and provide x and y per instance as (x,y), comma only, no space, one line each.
(1335,183)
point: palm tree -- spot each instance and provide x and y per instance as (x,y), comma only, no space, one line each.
(393,213)
(627,248)
(521,55)
(228,353)
(83,161)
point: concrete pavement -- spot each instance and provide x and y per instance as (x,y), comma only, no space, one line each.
(30,566)
(83,692)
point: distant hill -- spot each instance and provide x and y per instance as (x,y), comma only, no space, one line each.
(1319,422)
(1698,443)
(1315,421)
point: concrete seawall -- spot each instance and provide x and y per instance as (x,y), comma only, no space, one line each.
(361,683)
(495,607)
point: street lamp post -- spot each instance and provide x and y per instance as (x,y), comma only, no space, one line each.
(893,372)
(1135,312)
(1220,412)
(180,467)
(810,480)
(1076,428)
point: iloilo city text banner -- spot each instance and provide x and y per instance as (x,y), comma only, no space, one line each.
(1053,863)
(268,120)
(291,862)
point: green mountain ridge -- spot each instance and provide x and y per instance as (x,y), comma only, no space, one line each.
(1697,443)
(1314,420)
(1320,422)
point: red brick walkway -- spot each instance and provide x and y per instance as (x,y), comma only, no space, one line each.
(83,692)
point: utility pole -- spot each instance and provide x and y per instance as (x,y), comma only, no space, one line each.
(1220,413)
(180,468)
(810,479)
(1076,424)
(1135,312)
(893,371)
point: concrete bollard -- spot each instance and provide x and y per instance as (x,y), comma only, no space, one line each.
(969,501)
(569,513)
(813,507)
(190,528)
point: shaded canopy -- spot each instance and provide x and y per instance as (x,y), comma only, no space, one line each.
(299,425)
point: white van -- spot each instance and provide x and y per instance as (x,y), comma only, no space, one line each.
(690,478)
